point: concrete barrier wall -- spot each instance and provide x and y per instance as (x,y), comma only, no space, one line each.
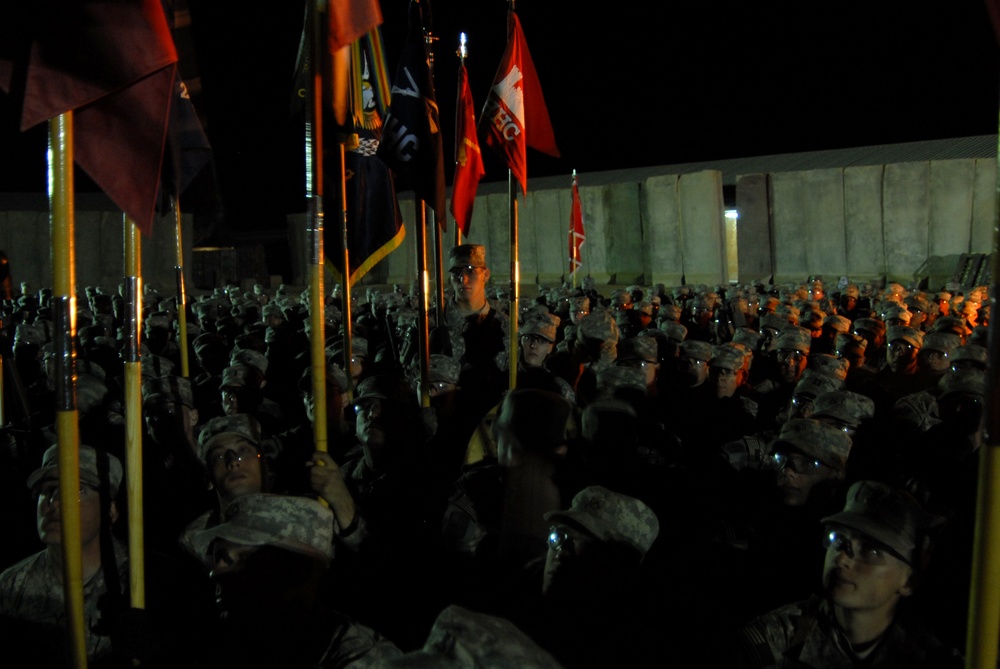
(902,221)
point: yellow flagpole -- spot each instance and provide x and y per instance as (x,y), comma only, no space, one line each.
(515,277)
(62,222)
(182,335)
(133,409)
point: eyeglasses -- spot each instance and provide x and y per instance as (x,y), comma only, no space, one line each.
(637,363)
(863,549)
(794,356)
(564,543)
(242,453)
(50,492)
(534,340)
(901,346)
(800,464)
(367,405)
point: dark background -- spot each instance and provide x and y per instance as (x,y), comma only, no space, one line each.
(631,85)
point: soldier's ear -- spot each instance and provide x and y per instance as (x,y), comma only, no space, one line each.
(113,512)
(486,274)
(909,586)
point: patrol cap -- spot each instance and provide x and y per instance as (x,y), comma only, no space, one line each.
(297,524)
(699,350)
(837,322)
(845,406)
(637,348)
(621,297)
(873,325)
(239,376)
(951,324)
(966,382)
(644,307)
(335,375)
(611,516)
(817,440)
(812,319)
(597,325)
(898,313)
(748,337)
(944,295)
(946,342)
(675,331)
(208,340)
(670,312)
(91,465)
(890,516)
(386,387)
(794,338)
(829,365)
(579,303)
(155,366)
(910,335)
(467,255)
(174,389)
(813,384)
(971,354)
(619,377)
(443,368)
(917,303)
(728,357)
(773,321)
(26,333)
(791,313)
(242,425)
(851,343)
(461,638)
(536,418)
(250,358)
(542,324)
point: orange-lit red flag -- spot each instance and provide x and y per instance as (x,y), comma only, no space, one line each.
(576,234)
(515,113)
(350,20)
(468,157)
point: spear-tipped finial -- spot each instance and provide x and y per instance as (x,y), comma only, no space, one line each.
(463,50)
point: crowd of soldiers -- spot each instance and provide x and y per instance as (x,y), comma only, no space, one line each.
(749,476)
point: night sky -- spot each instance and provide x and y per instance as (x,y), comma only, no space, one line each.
(650,84)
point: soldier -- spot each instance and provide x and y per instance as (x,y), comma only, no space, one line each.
(269,560)
(876,553)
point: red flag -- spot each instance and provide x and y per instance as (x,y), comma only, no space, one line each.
(515,110)
(350,20)
(113,63)
(468,158)
(576,234)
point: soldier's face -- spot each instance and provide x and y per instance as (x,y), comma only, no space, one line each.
(902,356)
(234,465)
(535,349)
(49,516)
(791,365)
(469,284)
(870,580)
(725,381)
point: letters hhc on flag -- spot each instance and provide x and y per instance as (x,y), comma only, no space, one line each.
(515,113)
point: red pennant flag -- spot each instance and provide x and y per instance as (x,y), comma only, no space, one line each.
(350,20)
(113,63)
(468,158)
(515,110)
(576,234)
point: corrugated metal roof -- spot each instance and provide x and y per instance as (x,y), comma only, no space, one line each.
(982,146)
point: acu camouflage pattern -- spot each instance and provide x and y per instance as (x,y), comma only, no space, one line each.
(90,468)
(844,405)
(611,516)
(297,524)
(886,514)
(816,440)
(174,389)
(242,425)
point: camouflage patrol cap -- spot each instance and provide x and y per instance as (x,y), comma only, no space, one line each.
(699,350)
(644,307)
(621,297)
(579,303)
(748,337)
(637,348)
(851,343)
(242,425)
(812,319)
(792,314)
(92,464)
(536,418)
(828,365)
(467,255)
(670,312)
(598,325)
(944,295)
(26,333)
(297,524)
(443,368)
(386,387)
(675,331)
(728,357)
(794,338)
(208,340)
(966,382)
(271,310)
(542,324)
(910,335)
(898,313)
(873,325)
(461,638)
(335,375)
(972,354)
(917,303)
(818,440)
(240,376)
(890,516)
(843,405)
(951,324)
(619,377)
(174,389)
(611,516)
(813,384)
(250,358)
(852,290)
(839,323)
(773,321)
(155,366)
(946,342)
(895,289)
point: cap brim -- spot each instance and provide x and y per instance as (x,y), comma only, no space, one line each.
(873,529)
